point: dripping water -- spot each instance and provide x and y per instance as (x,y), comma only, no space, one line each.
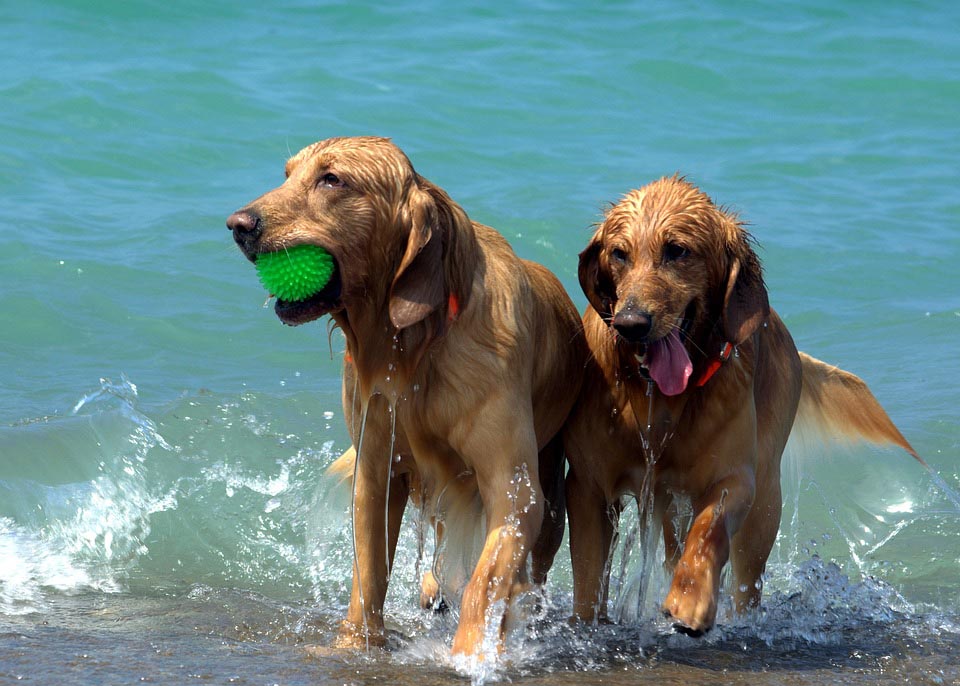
(392,409)
(353,525)
(642,536)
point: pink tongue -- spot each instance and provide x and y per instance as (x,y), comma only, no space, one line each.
(669,364)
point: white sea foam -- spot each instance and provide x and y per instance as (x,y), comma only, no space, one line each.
(29,565)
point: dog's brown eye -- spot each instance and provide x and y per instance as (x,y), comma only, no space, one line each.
(330,180)
(673,252)
(618,255)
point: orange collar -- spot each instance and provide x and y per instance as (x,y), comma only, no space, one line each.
(714,365)
(453,307)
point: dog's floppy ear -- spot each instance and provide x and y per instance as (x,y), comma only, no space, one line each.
(745,304)
(595,284)
(418,285)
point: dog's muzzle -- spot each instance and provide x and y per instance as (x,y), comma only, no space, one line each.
(247,231)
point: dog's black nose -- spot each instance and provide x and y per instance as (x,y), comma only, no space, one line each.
(633,325)
(245,226)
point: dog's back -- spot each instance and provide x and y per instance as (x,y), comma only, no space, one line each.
(559,351)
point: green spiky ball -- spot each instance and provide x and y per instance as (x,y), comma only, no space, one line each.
(295,274)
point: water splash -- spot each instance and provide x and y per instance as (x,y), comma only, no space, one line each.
(951,494)
(111,498)
(86,534)
(248,501)
(29,565)
(630,589)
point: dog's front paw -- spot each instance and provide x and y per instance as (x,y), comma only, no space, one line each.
(681,627)
(692,604)
(431,597)
(353,637)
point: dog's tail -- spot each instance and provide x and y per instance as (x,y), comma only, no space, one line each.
(839,404)
(341,469)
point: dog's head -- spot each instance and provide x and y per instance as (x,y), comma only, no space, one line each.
(361,200)
(664,269)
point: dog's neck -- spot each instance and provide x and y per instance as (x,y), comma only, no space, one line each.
(712,350)
(659,417)
(656,414)
(388,360)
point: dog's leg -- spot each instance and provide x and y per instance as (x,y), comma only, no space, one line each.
(666,513)
(591,533)
(503,454)
(692,599)
(751,545)
(431,597)
(498,576)
(375,544)
(554,519)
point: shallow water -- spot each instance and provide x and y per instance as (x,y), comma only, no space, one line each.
(123,571)
(209,636)
(163,439)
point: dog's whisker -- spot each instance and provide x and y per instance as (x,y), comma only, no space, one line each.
(678,327)
(574,336)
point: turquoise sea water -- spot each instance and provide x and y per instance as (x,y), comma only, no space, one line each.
(163,510)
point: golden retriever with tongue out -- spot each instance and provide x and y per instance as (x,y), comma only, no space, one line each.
(692,390)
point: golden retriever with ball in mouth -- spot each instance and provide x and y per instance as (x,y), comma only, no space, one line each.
(462,363)
(693,388)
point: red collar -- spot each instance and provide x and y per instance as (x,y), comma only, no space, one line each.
(453,307)
(714,364)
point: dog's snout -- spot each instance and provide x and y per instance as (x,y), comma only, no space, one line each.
(246,229)
(244,222)
(633,325)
